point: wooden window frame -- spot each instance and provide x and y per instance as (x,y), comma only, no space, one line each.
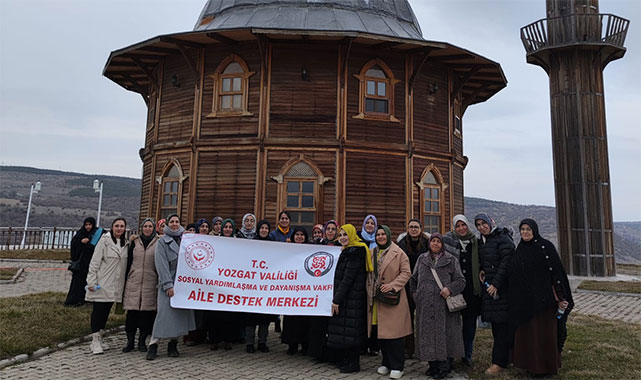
(441,186)
(218,76)
(319,181)
(391,83)
(162,179)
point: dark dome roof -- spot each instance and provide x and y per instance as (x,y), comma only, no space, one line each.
(393,18)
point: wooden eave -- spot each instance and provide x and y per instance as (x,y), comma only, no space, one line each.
(486,79)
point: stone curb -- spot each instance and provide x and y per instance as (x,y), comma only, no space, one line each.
(48,350)
(14,278)
(606,293)
(34,261)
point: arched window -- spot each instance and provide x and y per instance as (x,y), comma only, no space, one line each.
(300,195)
(431,186)
(170,190)
(231,87)
(376,92)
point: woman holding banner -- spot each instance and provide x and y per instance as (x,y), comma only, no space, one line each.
(170,323)
(388,310)
(346,328)
(248,227)
(296,327)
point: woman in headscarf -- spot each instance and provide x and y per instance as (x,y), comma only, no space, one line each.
(439,331)
(347,327)
(295,327)
(198,336)
(282,231)
(368,233)
(191,228)
(495,252)
(224,326)
(140,293)
(392,321)
(170,322)
(462,243)
(81,253)
(160,226)
(539,298)
(216,226)
(248,227)
(106,279)
(228,228)
(330,233)
(255,319)
(317,234)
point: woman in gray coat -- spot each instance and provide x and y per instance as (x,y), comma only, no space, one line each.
(439,331)
(170,323)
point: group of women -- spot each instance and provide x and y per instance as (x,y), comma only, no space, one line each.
(389,295)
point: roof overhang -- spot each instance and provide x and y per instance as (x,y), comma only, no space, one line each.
(476,77)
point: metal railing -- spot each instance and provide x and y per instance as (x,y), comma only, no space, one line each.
(39,237)
(574,29)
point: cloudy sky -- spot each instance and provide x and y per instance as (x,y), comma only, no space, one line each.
(58,112)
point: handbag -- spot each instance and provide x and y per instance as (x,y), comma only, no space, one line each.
(389,298)
(74,266)
(454,303)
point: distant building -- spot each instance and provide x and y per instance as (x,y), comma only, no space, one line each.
(326,108)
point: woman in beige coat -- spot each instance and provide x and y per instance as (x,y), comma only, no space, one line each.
(140,294)
(391,273)
(106,279)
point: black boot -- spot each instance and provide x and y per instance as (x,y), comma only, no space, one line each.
(277,326)
(152,352)
(172,349)
(131,336)
(262,347)
(142,346)
(250,349)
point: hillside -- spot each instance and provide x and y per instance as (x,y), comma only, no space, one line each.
(67,198)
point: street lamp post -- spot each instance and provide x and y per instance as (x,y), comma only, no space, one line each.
(35,187)
(97,186)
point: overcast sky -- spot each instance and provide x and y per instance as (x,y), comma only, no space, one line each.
(57,111)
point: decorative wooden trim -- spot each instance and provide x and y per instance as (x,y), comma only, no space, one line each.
(161,74)
(437,173)
(220,38)
(217,82)
(192,185)
(461,82)
(181,179)
(269,87)
(198,110)
(362,114)
(416,71)
(431,168)
(150,75)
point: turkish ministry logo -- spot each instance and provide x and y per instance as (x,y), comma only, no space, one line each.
(319,263)
(199,255)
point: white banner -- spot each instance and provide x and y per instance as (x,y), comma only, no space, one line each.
(219,273)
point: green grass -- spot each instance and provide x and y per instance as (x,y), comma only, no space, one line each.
(30,322)
(612,286)
(633,269)
(40,254)
(7,273)
(595,349)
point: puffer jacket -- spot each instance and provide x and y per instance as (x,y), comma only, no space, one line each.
(495,254)
(348,328)
(140,288)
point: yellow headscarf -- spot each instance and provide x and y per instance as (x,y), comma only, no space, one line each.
(354,241)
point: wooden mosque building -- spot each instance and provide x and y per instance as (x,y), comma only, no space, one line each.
(328,109)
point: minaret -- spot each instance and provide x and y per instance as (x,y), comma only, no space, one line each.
(573,45)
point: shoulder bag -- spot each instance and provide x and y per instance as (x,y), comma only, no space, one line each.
(454,303)
(389,298)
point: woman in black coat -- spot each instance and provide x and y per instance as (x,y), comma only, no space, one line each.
(540,298)
(81,253)
(496,248)
(347,328)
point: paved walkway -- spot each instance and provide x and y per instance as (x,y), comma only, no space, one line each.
(37,277)
(194,363)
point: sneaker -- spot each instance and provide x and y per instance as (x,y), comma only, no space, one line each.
(396,374)
(96,347)
(382,370)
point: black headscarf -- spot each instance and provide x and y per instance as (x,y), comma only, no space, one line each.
(300,229)
(534,270)
(83,233)
(260,224)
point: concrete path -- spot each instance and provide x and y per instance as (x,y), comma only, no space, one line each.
(194,363)
(37,277)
